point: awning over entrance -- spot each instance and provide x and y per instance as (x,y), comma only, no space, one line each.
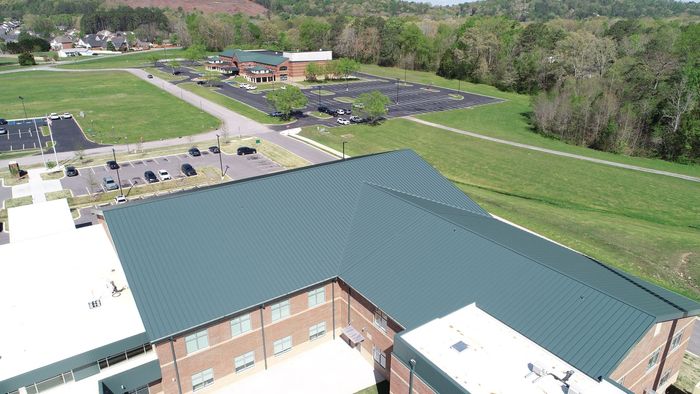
(353,335)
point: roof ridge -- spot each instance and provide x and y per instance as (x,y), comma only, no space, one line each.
(424,198)
(517,252)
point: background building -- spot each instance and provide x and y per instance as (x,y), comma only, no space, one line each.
(267,66)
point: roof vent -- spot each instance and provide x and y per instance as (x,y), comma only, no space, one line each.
(539,369)
(460,346)
(95,304)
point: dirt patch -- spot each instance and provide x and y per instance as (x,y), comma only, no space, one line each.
(247,7)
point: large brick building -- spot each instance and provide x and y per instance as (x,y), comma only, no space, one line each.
(386,254)
(268,66)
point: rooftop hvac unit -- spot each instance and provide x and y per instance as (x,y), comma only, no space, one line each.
(573,390)
(539,369)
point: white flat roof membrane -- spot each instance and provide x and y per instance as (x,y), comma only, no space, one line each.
(39,220)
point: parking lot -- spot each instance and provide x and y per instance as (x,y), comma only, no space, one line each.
(407,98)
(131,173)
(21,135)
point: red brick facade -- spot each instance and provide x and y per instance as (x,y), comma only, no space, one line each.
(286,71)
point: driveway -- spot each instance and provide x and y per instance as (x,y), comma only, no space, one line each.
(69,137)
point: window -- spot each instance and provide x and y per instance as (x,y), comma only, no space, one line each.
(202,379)
(283,68)
(664,378)
(380,319)
(317,330)
(280,310)
(379,356)
(653,360)
(197,341)
(282,345)
(245,361)
(240,325)
(317,297)
(676,341)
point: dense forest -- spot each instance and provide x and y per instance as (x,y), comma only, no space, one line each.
(620,76)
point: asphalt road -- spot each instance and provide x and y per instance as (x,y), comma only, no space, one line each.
(22,135)
(69,137)
(131,173)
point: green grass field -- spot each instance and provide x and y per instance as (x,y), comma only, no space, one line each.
(646,224)
(234,105)
(141,59)
(116,105)
(508,120)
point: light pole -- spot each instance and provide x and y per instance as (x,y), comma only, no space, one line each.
(459,85)
(114,154)
(344,142)
(318,94)
(221,160)
(36,130)
(397,90)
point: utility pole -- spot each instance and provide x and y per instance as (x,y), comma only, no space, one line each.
(36,130)
(114,154)
(53,144)
(397,90)
(344,142)
(221,160)
(318,94)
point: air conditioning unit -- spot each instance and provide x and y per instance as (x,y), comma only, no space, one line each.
(573,390)
(539,369)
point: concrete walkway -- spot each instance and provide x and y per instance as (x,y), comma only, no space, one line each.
(555,152)
(36,187)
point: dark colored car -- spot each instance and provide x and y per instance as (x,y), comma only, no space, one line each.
(3,121)
(113,165)
(177,72)
(194,152)
(149,76)
(324,110)
(276,114)
(214,149)
(3,131)
(188,170)
(71,171)
(244,150)
(150,177)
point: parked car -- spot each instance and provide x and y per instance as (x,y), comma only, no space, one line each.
(194,151)
(276,114)
(3,131)
(71,171)
(119,199)
(164,175)
(3,121)
(177,72)
(244,150)
(343,121)
(251,87)
(348,111)
(150,177)
(109,183)
(243,85)
(66,115)
(113,165)
(356,119)
(323,109)
(188,170)
(149,76)
(358,105)
(214,149)
(54,116)
(340,111)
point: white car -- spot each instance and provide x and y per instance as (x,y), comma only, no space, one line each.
(251,87)
(243,85)
(120,199)
(343,121)
(66,115)
(340,111)
(164,175)
(54,116)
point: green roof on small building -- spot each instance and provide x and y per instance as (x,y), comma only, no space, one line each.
(396,231)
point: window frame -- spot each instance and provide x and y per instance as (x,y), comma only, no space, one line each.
(379,356)
(204,383)
(282,342)
(280,308)
(655,358)
(383,322)
(239,322)
(665,378)
(314,295)
(677,340)
(316,332)
(195,338)
(246,364)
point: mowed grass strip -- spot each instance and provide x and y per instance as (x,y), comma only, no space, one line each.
(234,105)
(116,105)
(128,60)
(509,120)
(648,225)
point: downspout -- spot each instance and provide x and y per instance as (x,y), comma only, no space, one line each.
(177,372)
(667,347)
(333,304)
(262,329)
(349,291)
(410,376)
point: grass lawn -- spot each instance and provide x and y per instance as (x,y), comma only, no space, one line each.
(689,373)
(379,388)
(116,105)
(18,153)
(141,59)
(508,120)
(648,225)
(47,176)
(18,202)
(163,75)
(329,81)
(233,105)
(57,195)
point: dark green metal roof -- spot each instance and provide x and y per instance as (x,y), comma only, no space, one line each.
(255,56)
(131,379)
(227,248)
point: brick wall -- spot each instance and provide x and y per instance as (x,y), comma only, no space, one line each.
(633,371)
(400,376)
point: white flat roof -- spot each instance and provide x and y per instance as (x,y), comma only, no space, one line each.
(39,220)
(496,359)
(308,56)
(46,285)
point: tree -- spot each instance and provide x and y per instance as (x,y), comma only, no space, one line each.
(330,69)
(195,52)
(346,67)
(374,105)
(313,34)
(153,58)
(286,100)
(312,71)
(212,78)
(26,59)
(110,46)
